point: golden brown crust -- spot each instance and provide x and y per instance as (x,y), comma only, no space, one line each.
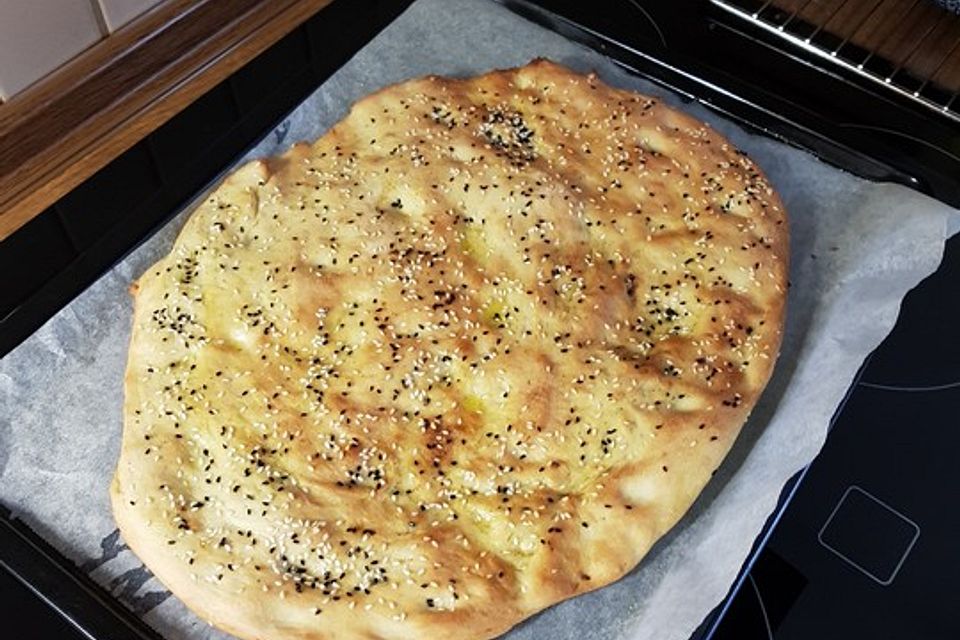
(470,353)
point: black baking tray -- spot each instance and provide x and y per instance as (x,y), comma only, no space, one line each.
(689,47)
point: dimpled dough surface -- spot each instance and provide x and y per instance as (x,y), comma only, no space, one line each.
(467,355)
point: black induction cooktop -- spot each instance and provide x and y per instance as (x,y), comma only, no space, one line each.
(868,545)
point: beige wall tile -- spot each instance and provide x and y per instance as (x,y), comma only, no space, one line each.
(37,36)
(117,13)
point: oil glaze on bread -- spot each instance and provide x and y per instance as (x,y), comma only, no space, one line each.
(467,355)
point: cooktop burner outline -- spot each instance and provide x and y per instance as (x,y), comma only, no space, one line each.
(917,389)
(763,607)
(639,7)
(852,562)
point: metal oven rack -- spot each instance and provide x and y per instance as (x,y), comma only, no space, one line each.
(809,27)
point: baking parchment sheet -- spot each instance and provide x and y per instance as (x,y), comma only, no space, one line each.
(857,248)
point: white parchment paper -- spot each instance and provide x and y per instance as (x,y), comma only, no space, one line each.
(857,247)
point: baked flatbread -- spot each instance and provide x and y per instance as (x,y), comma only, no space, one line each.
(467,355)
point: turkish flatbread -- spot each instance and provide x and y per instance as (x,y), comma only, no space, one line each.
(470,353)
